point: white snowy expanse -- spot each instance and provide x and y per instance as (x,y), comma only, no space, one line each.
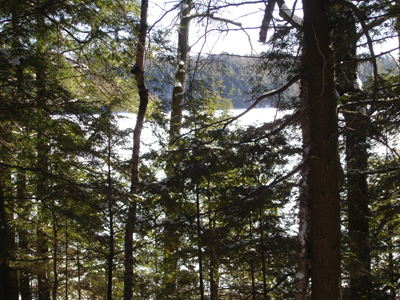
(254,116)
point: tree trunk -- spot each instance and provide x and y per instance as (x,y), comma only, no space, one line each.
(302,276)
(78,262)
(181,71)
(199,243)
(55,257)
(110,258)
(213,262)
(358,205)
(138,71)
(324,162)
(347,81)
(5,283)
(262,248)
(66,259)
(171,238)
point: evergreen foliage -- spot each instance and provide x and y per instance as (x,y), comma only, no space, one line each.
(215,208)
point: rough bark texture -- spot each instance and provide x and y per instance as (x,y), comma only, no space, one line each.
(144,99)
(181,70)
(302,277)
(324,158)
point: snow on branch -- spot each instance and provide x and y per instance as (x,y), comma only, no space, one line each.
(288,15)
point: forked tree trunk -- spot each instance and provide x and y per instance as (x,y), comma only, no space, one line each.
(144,99)
(324,156)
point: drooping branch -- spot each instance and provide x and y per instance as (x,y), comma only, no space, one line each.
(266,95)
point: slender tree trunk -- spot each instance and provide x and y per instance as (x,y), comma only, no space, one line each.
(302,276)
(5,282)
(43,281)
(138,71)
(391,269)
(44,287)
(199,244)
(66,259)
(181,71)
(9,199)
(24,274)
(55,258)
(324,163)
(110,258)
(262,248)
(78,262)
(213,263)
(171,238)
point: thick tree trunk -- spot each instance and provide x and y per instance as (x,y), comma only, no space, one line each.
(358,205)
(138,71)
(347,81)
(324,156)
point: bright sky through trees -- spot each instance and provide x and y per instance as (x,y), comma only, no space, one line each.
(227,39)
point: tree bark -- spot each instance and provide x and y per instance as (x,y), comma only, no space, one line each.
(138,71)
(5,283)
(55,257)
(347,81)
(324,156)
(199,243)
(171,238)
(110,258)
(181,71)
(302,276)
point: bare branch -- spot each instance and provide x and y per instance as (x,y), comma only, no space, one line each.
(266,95)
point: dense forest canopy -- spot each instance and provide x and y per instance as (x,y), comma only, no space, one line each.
(300,206)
